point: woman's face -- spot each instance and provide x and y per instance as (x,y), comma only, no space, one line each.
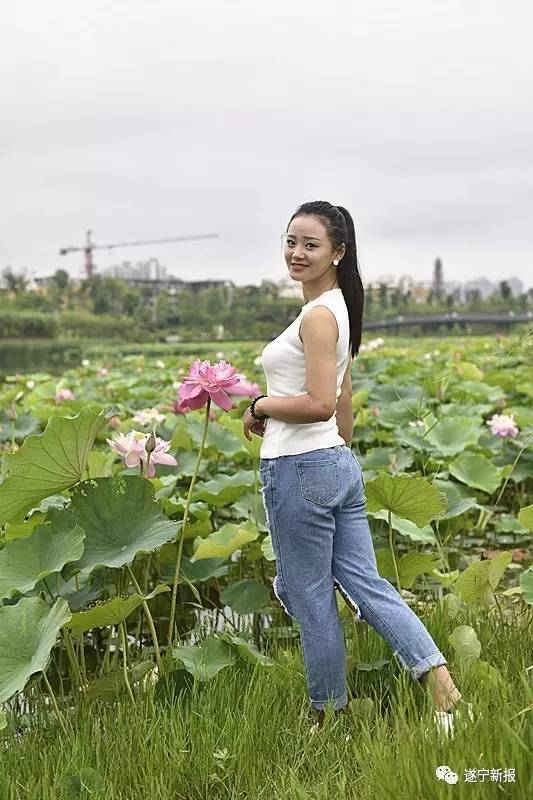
(307,249)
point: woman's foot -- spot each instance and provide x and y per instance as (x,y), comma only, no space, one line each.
(445,693)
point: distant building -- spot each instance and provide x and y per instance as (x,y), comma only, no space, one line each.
(150,270)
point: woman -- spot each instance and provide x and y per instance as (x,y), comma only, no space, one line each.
(313,488)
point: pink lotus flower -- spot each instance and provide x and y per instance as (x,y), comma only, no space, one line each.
(114,422)
(503,425)
(103,372)
(246,388)
(132,448)
(205,381)
(64,394)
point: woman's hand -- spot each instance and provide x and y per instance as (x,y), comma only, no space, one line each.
(251,424)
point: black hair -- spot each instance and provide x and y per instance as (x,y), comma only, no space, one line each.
(340,229)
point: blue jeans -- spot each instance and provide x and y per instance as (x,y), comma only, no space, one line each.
(316,515)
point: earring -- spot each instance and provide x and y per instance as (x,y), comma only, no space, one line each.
(336,263)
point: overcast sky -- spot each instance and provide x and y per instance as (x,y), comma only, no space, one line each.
(144,120)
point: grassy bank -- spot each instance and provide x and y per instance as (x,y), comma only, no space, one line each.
(245,733)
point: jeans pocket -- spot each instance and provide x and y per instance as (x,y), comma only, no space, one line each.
(318,480)
(359,466)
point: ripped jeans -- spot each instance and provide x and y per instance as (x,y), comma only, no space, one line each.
(316,514)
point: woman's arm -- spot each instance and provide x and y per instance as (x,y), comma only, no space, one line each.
(319,337)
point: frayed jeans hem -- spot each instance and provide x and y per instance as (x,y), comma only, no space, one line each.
(337,702)
(420,669)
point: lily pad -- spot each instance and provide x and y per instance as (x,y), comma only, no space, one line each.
(224,489)
(526,584)
(28,632)
(477,471)
(452,436)
(206,659)
(410,498)
(479,580)
(225,541)
(408,528)
(245,596)
(525,517)
(120,518)
(464,641)
(111,612)
(410,565)
(24,562)
(460,499)
(48,463)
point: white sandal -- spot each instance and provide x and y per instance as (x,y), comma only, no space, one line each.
(444,721)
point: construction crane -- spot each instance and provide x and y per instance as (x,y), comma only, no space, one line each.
(90,246)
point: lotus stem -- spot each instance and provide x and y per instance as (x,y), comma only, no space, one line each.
(150,622)
(69,647)
(391,545)
(54,703)
(170,635)
(122,626)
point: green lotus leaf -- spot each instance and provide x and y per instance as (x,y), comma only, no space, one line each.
(408,528)
(464,641)
(481,673)
(469,372)
(248,651)
(25,528)
(24,562)
(219,438)
(445,578)
(460,499)
(410,565)
(506,523)
(386,393)
(245,596)
(109,685)
(111,612)
(235,426)
(267,549)
(479,580)
(201,570)
(3,720)
(526,585)
(451,436)
(203,661)
(525,517)
(224,489)
(28,632)
(120,518)
(199,521)
(18,429)
(387,458)
(523,415)
(477,471)
(84,783)
(410,498)
(100,464)
(225,541)
(395,414)
(48,463)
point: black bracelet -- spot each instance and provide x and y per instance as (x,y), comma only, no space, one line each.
(252,407)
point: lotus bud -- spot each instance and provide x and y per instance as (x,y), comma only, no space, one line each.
(150,443)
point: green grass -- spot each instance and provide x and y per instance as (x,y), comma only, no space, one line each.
(245,734)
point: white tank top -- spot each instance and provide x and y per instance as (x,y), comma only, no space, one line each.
(283,361)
